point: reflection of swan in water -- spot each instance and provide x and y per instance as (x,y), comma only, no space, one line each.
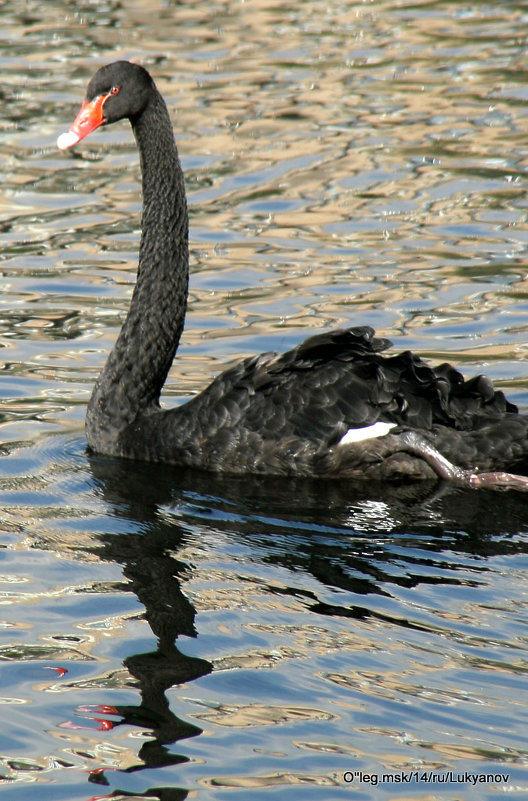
(305,531)
(332,407)
(154,574)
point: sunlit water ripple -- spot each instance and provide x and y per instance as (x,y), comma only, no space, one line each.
(168,635)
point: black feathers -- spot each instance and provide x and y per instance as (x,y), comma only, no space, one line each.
(276,414)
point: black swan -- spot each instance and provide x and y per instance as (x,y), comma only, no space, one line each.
(333,407)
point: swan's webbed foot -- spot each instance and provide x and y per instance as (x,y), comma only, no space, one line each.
(413,443)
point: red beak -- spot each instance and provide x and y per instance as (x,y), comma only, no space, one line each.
(87,120)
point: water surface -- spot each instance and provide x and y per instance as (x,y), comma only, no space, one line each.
(170,635)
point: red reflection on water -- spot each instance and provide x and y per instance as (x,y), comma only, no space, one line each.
(103,709)
(60,670)
(104,725)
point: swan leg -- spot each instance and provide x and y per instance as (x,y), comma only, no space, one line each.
(498,480)
(413,443)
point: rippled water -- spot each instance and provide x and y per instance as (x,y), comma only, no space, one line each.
(168,635)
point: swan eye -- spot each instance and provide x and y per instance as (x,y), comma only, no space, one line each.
(114,90)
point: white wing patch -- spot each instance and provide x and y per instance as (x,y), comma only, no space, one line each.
(369,432)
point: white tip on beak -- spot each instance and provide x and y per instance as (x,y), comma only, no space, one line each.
(67,139)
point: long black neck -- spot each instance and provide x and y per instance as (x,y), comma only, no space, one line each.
(134,374)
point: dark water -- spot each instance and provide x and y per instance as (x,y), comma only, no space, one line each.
(168,635)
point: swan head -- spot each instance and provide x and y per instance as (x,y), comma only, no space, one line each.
(117,91)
